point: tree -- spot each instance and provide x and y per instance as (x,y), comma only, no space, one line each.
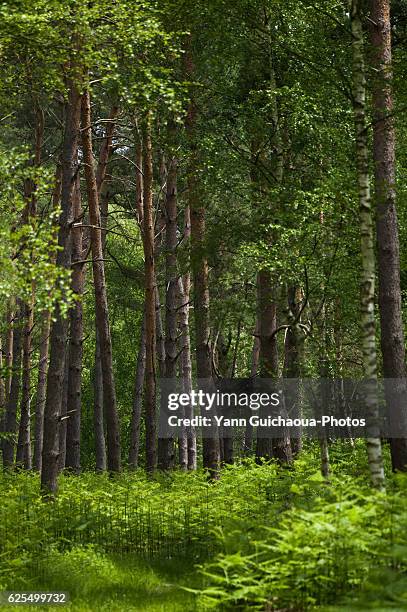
(101,305)
(367,284)
(388,249)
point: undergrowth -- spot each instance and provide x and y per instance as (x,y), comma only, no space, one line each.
(259,538)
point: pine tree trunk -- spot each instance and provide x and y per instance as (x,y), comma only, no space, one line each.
(23,456)
(138,400)
(104,155)
(59,329)
(200,275)
(63,420)
(248,434)
(101,305)
(73,424)
(12,400)
(41,390)
(268,344)
(150,303)
(388,248)
(374,449)
(293,345)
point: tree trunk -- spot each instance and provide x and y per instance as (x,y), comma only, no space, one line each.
(374,449)
(150,303)
(166,457)
(41,390)
(63,419)
(388,248)
(44,355)
(138,400)
(248,435)
(104,155)
(101,305)
(59,330)
(185,365)
(200,275)
(12,401)
(293,346)
(268,344)
(23,456)
(73,431)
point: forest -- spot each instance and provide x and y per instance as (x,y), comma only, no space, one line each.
(205,196)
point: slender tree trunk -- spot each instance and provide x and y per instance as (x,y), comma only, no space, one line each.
(150,303)
(41,390)
(104,155)
(23,456)
(374,449)
(12,400)
(388,248)
(248,435)
(293,346)
(2,394)
(200,275)
(134,450)
(59,330)
(73,432)
(166,457)
(185,339)
(9,347)
(101,305)
(44,354)
(268,344)
(138,400)
(63,419)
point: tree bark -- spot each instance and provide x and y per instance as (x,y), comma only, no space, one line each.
(101,305)
(248,435)
(138,400)
(185,365)
(23,456)
(388,247)
(293,349)
(44,353)
(200,275)
(374,450)
(166,456)
(59,330)
(12,400)
(73,431)
(104,155)
(150,302)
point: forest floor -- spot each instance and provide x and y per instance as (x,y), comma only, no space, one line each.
(259,537)
(120,584)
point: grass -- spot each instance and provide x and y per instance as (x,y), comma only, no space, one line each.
(97,581)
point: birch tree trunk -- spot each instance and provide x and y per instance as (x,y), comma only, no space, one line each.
(185,339)
(374,450)
(388,248)
(101,305)
(166,457)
